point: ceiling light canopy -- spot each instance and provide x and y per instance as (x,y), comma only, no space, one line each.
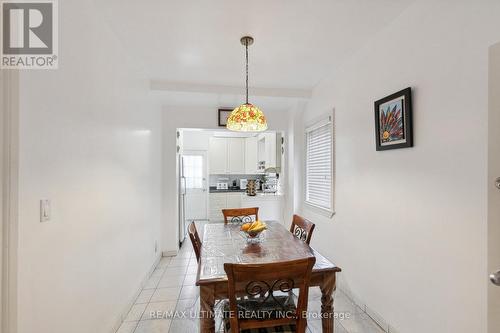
(247,117)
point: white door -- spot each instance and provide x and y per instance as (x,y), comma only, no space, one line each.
(194,173)
(494,191)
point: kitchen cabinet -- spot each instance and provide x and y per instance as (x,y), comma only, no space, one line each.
(269,151)
(270,206)
(220,201)
(233,200)
(218,156)
(251,155)
(226,155)
(236,155)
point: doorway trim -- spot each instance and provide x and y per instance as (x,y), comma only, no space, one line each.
(9,113)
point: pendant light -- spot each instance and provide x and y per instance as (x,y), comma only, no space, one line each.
(247,117)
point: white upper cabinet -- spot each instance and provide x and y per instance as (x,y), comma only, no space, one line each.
(218,157)
(251,155)
(269,151)
(236,155)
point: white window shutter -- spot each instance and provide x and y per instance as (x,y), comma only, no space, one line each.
(319,171)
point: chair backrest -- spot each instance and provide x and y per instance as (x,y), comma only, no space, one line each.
(302,228)
(240,215)
(195,240)
(257,282)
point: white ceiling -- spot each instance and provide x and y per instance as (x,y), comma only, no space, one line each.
(297,42)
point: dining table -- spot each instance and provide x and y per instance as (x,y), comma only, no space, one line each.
(226,243)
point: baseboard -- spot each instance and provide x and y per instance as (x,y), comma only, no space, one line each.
(131,301)
(343,286)
(172,253)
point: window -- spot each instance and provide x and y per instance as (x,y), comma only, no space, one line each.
(193,171)
(319,165)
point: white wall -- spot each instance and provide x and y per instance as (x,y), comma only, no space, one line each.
(196,140)
(410,229)
(90,142)
(175,117)
(493,192)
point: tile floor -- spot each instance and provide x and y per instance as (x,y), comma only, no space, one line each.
(171,287)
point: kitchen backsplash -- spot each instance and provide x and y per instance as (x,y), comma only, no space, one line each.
(213,179)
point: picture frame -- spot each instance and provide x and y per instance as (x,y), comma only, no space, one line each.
(394,121)
(222,116)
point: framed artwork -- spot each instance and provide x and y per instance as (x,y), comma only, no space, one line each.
(223,114)
(393,121)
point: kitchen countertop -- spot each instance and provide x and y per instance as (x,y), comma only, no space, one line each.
(213,189)
(238,190)
(265,194)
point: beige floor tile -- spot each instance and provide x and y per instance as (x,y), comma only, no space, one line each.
(192,270)
(153,326)
(171,281)
(184,326)
(158,272)
(360,323)
(175,270)
(127,327)
(164,262)
(183,254)
(152,282)
(190,280)
(189,292)
(144,296)
(159,310)
(342,304)
(179,262)
(189,306)
(135,312)
(315,326)
(165,294)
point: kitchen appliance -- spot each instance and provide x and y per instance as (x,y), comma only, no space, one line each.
(222,186)
(270,184)
(243,184)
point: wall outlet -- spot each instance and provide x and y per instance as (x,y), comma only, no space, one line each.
(44,210)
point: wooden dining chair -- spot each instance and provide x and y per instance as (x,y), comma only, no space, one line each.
(258,300)
(195,240)
(240,215)
(302,228)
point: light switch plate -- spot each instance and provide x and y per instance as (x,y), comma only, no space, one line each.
(44,210)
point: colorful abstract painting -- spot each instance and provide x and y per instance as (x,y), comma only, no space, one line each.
(393,120)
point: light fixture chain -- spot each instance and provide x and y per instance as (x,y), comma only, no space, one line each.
(246,51)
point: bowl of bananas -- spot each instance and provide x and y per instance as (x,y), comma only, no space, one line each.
(253,231)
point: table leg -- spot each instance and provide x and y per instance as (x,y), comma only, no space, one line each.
(327,289)
(207,315)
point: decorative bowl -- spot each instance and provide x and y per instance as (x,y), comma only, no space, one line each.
(253,231)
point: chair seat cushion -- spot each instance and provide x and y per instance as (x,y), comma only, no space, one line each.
(256,309)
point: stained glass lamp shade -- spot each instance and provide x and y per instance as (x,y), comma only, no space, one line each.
(247,118)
